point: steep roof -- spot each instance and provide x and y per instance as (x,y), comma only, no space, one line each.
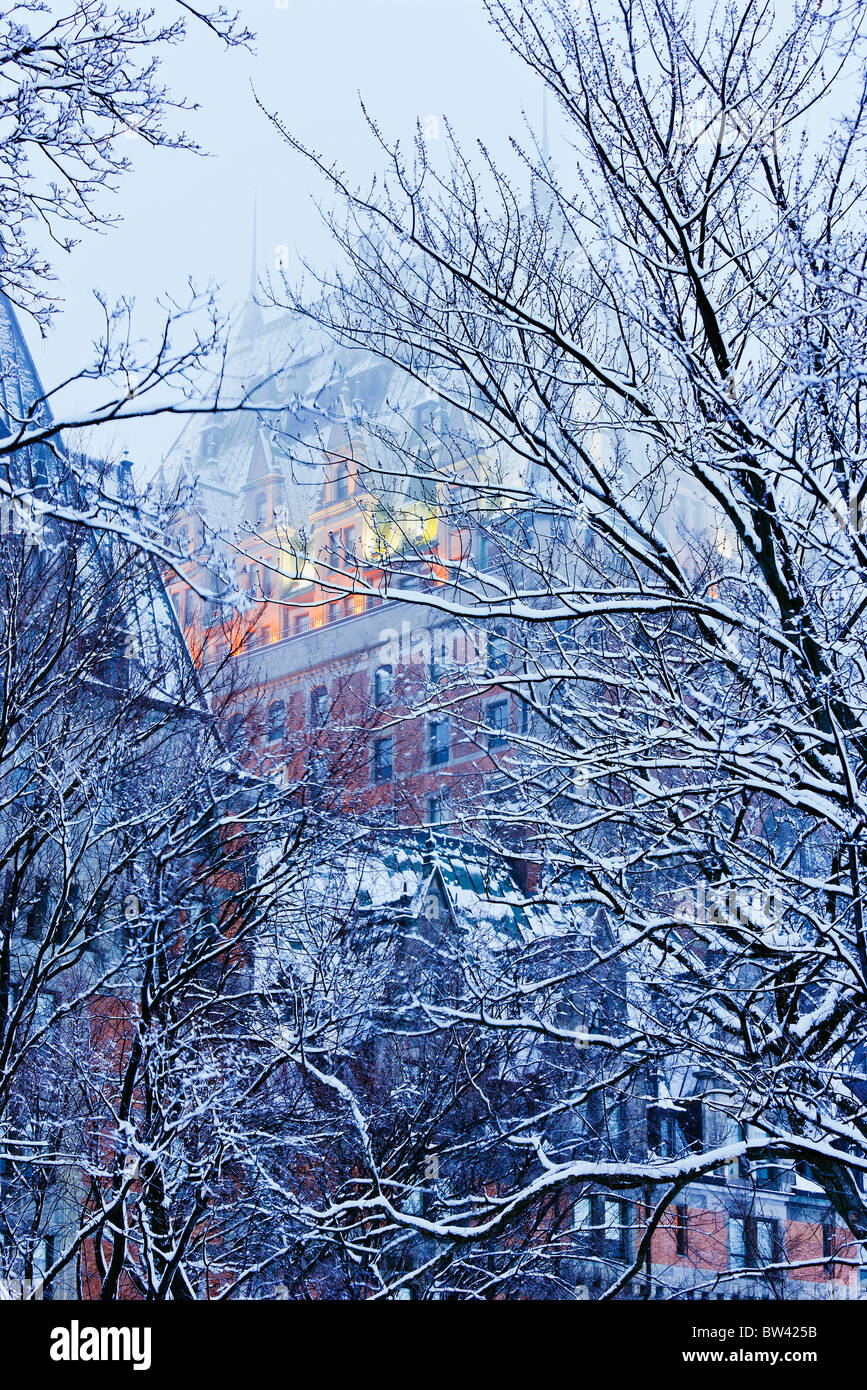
(22,401)
(309,391)
(162,653)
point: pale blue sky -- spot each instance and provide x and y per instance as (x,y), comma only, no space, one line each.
(185,216)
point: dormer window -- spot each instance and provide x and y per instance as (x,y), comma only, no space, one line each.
(210,442)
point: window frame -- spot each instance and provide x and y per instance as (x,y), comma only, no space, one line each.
(274,731)
(382,770)
(439,753)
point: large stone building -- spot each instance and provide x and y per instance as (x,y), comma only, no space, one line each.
(283,497)
(404,712)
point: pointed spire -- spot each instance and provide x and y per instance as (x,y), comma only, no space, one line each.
(251,317)
(254,272)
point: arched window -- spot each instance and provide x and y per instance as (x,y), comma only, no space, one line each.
(383,685)
(260,509)
(276,720)
(318,706)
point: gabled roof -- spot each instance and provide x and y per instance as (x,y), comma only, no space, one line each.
(405,866)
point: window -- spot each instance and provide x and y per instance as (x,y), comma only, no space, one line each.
(276,720)
(441,647)
(341,481)
(497,723)
(439,742)
(582,1223)
(189,608)
(301,623)
(439,810)
(349,544)
(383,685)
(233,729)
(681,1230)
(498,651)
(383,759)
(829,1243)
(737,1243)
(210,441)
(769,1242)
(613,1228)
(260,509)
(318,706)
